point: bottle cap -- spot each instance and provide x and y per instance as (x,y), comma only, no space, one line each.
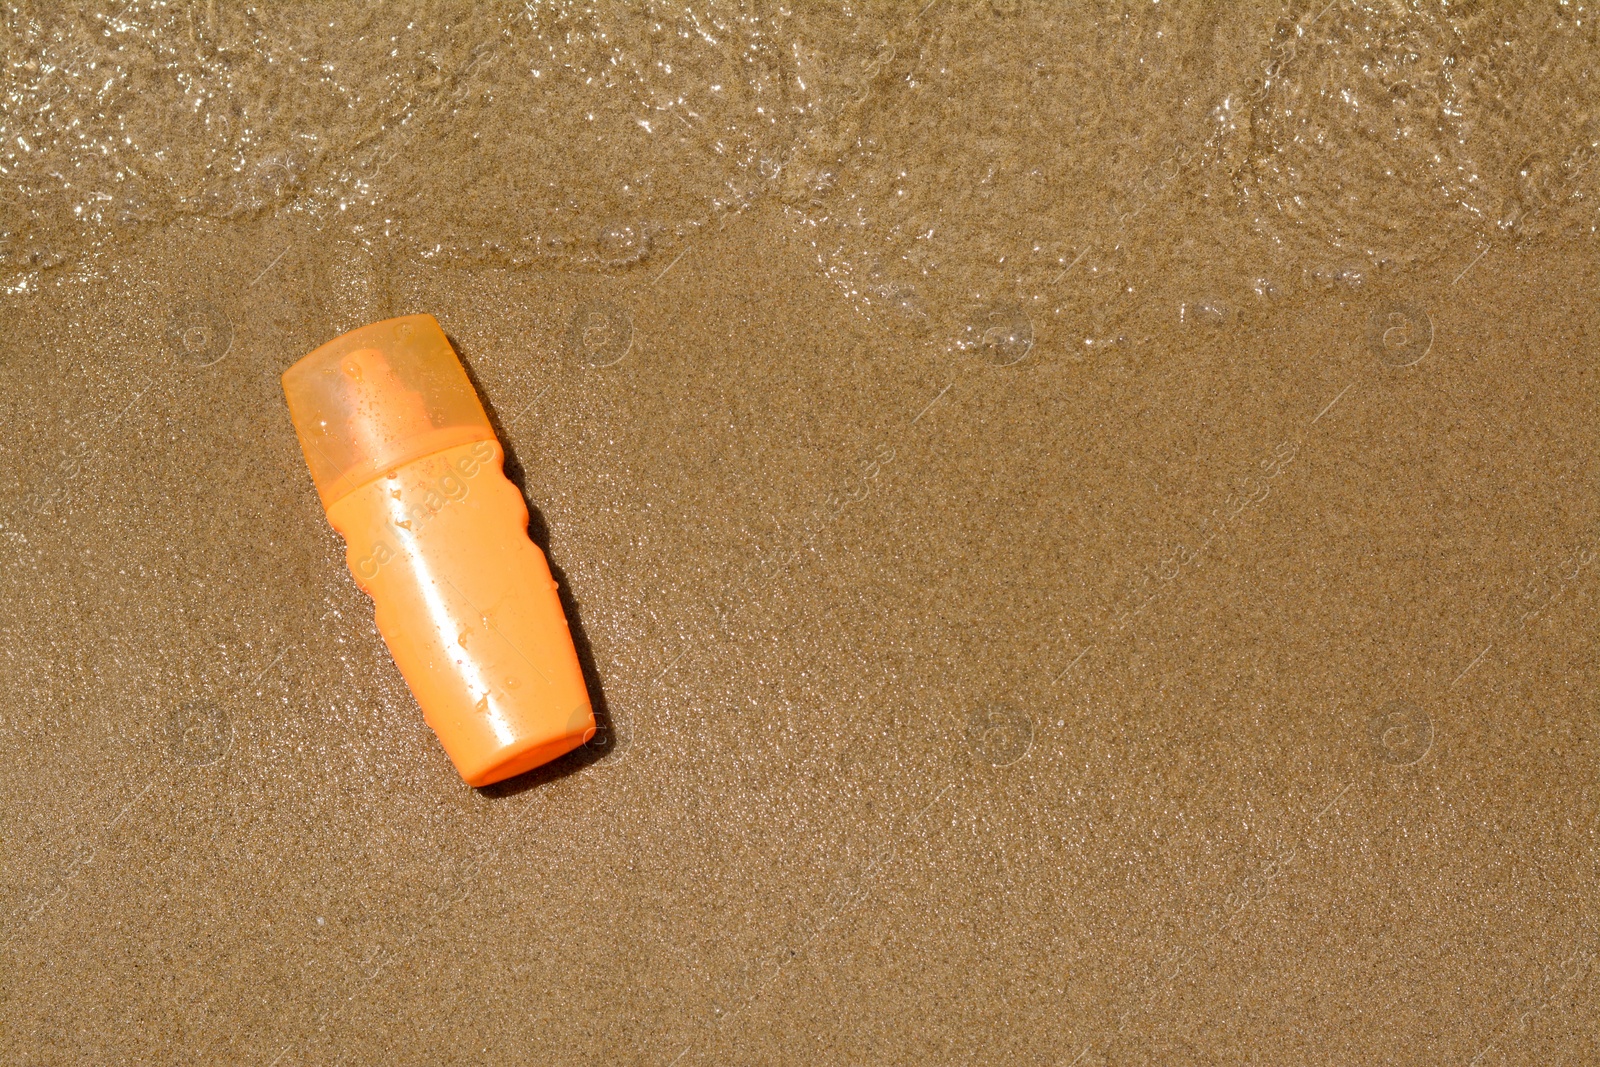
(377,397)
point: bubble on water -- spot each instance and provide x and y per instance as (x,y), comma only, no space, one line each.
(1265,288)
(1202,313)
(623,244)
(279,175)
(132,209)
(1001,335)
(1329,278)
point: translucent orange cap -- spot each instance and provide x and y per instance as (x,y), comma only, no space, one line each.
(377,397)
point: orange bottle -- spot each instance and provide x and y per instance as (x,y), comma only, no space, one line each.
(409,472)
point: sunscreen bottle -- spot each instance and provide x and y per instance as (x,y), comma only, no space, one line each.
(409,472)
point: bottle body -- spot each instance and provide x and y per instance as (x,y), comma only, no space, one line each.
(469,610)
(407,466)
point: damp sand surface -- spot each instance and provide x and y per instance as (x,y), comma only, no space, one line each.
(1081,526)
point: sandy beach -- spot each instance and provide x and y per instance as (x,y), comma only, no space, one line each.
(1080,526)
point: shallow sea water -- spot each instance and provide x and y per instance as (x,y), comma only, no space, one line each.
(1081,525)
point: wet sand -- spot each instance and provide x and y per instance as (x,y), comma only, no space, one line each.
(1081,528)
